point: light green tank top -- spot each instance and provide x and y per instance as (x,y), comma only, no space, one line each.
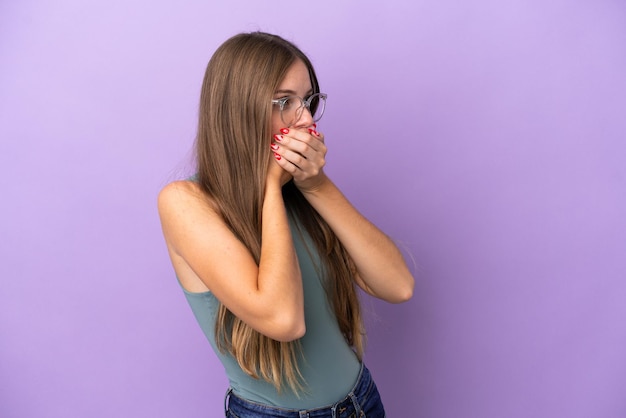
(329,366)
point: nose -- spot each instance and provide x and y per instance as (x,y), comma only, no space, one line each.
(305,120)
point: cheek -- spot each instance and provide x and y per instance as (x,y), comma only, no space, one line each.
(277,123)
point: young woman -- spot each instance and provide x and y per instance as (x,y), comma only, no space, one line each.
(268,250)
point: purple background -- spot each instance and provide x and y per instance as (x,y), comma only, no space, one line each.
(486,137)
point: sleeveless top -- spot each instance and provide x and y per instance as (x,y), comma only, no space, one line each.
(329,366)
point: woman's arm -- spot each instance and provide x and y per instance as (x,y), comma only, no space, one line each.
(267,297)
(381,269)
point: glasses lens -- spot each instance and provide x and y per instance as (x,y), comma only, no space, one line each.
(318,104)
(291,110)
(293,106)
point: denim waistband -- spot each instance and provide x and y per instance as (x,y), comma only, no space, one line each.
(350,404)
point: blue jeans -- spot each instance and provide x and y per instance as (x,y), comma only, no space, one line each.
(362,401)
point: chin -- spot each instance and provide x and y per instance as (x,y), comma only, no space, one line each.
(287,179)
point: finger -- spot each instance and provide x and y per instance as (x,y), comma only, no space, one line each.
(310,137)
(282,161)
(300,167)
(317,134)
(304,144)
(306,167)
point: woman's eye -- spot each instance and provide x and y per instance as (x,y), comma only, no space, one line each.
(291,103)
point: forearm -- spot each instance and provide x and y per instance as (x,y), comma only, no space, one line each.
(279,272)
(379,263)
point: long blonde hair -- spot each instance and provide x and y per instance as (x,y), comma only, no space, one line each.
(232,161)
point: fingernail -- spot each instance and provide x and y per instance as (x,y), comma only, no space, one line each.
(315,125)
(284,131)
(274,146)
(314,132)
(278,138)
(277,156)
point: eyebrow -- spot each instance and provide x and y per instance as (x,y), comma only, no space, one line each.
(293,93)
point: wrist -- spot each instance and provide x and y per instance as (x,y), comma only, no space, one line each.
(273,187)
(314,188)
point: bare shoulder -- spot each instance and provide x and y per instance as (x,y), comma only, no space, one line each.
(181,192)
(185,198)
(193,231)
(186,210)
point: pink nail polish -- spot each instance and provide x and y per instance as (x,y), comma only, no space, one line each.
(278,138)
(284,131)
(273,146)
(277,156)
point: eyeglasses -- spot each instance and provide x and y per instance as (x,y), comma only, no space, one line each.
(291,107)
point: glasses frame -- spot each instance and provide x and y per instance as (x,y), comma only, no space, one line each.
(303,103)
